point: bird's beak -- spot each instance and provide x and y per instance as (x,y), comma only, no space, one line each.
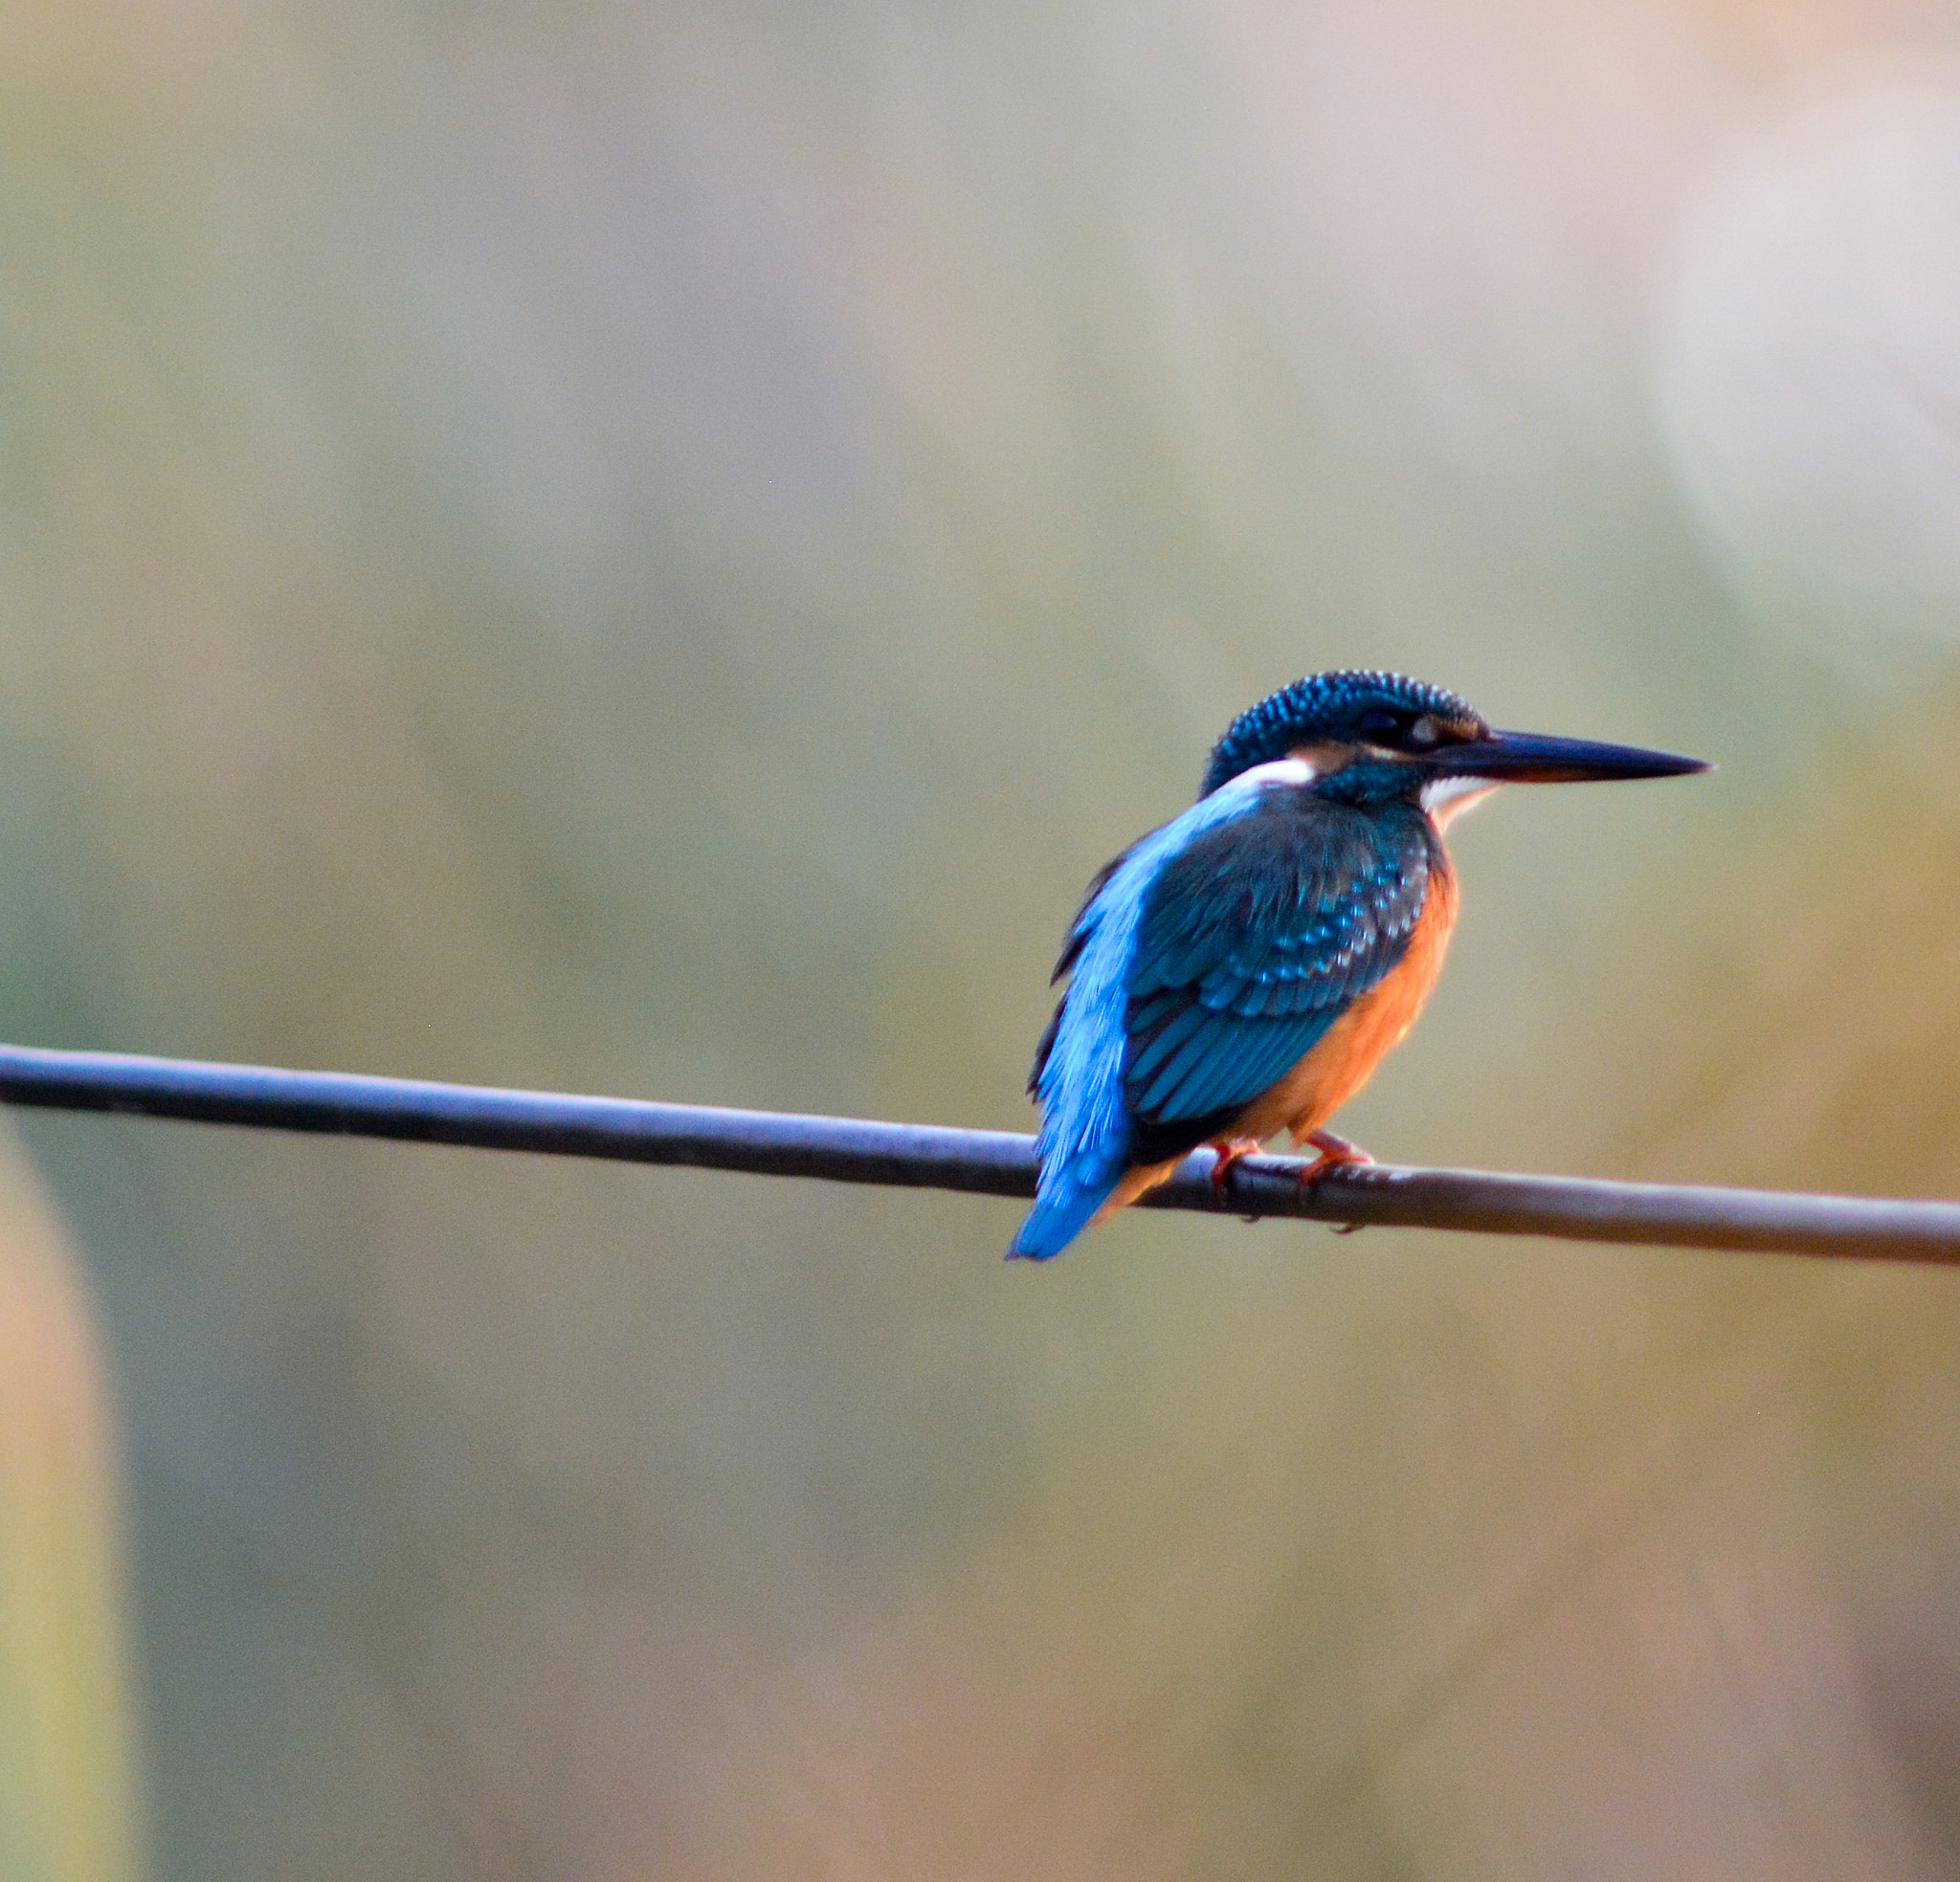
(1526,758)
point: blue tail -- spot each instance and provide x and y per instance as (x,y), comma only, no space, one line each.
(1056,1220)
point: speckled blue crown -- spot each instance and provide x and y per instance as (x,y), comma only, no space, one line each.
(1324,705)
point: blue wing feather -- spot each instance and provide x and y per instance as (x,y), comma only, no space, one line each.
(1207,961)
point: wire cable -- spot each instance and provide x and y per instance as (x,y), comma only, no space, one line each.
(976,1162)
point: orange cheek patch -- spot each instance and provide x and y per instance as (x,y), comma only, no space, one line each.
(1324,760)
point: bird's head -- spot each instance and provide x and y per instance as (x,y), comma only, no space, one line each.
(1375,737)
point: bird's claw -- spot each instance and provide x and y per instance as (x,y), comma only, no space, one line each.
(1226,1152)
(1336,1153)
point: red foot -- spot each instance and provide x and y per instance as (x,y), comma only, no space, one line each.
(1336,1153)
(1225,1152)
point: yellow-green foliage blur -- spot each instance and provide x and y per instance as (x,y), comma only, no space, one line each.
(653,549)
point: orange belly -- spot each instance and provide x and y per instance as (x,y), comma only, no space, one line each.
(1343,1056)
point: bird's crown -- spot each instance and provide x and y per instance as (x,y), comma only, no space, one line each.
(1376,708)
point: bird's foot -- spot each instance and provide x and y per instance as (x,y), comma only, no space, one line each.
(1225,1152)
(1336,1153)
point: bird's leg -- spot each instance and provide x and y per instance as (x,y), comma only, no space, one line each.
(1225,1152)
(1336,1153)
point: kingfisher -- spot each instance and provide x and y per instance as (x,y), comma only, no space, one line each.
(1242,969)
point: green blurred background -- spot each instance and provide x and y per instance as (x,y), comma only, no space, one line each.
(653,549)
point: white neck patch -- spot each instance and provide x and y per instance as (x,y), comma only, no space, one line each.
(1279,771)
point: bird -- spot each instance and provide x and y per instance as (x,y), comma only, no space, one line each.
(1242,969)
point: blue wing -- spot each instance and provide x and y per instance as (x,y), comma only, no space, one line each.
(1207,961)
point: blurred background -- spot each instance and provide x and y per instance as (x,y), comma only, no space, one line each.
(653,549)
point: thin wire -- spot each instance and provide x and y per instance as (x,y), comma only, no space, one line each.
(978,1163)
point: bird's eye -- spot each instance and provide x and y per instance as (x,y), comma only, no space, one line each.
(1424,732)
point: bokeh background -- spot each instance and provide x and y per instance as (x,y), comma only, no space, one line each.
(652,550)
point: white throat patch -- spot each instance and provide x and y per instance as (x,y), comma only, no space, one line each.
(1446,799)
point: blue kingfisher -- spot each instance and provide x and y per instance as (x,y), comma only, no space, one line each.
(1242,969)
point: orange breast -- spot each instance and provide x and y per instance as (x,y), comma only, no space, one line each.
(1350,1049)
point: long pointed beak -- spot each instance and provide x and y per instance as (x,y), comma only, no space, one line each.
(1526,758)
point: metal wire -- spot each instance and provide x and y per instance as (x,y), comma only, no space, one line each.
(979,1162)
